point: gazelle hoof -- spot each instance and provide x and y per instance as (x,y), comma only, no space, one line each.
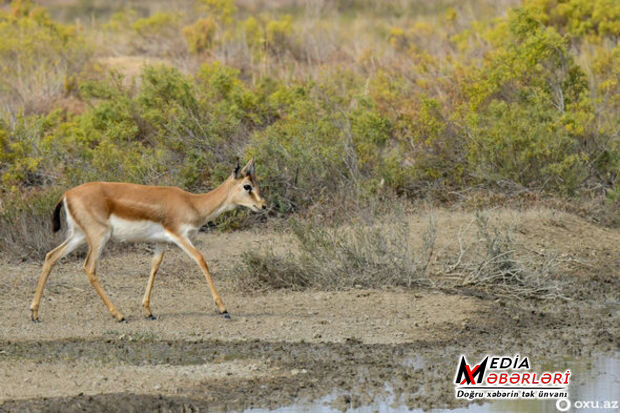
(151,317)
(226,315)
(33,317)
(122,321)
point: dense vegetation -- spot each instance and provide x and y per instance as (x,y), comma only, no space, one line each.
(411,97)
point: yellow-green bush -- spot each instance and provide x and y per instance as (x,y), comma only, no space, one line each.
(156,25)
(264,33)
(159,34)
(175,129)
(584,17)
(120,20)
(324,140)
(531,116)
(222,10)
(200,35)
(183,127)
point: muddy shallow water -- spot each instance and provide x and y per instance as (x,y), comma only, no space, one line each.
(599,382)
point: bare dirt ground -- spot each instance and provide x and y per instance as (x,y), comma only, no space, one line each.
(283,347)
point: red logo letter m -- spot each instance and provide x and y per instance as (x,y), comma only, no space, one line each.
(471,375)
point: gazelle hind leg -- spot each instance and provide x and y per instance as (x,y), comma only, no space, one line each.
(146,301)
(52,257)
(186,245)
(96,242)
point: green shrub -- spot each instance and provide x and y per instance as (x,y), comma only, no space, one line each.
(200,35)
(159,35)
(156,24)
(222,10)
(302,155)
(25,160)
(264,33)
(325,137)
(582,17)
(177,129)
(524,105)
(119,20)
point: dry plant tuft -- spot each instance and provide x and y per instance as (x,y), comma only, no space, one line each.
(493,264)
(359,255)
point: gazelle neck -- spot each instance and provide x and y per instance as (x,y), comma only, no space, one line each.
(215,202)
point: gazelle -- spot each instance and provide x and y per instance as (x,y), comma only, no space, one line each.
(98,211)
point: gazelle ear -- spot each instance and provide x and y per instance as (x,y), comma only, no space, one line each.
(237,171)
(248,169)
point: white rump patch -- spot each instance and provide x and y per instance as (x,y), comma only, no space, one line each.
(126,230)
(73,229)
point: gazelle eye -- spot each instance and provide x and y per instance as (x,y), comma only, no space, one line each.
(247,187)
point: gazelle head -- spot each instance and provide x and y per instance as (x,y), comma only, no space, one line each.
(245,190)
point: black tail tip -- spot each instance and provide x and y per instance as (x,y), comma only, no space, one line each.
(56,217)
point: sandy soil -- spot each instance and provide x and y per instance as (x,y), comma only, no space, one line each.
(285,346)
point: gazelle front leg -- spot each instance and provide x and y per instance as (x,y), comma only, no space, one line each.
(186,245)
(146,301)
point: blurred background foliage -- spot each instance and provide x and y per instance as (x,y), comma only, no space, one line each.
(417,97)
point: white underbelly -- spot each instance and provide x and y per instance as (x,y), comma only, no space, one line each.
(126,230)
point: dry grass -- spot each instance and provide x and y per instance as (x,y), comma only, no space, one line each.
(497,265)
(391,250)
(361,255)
